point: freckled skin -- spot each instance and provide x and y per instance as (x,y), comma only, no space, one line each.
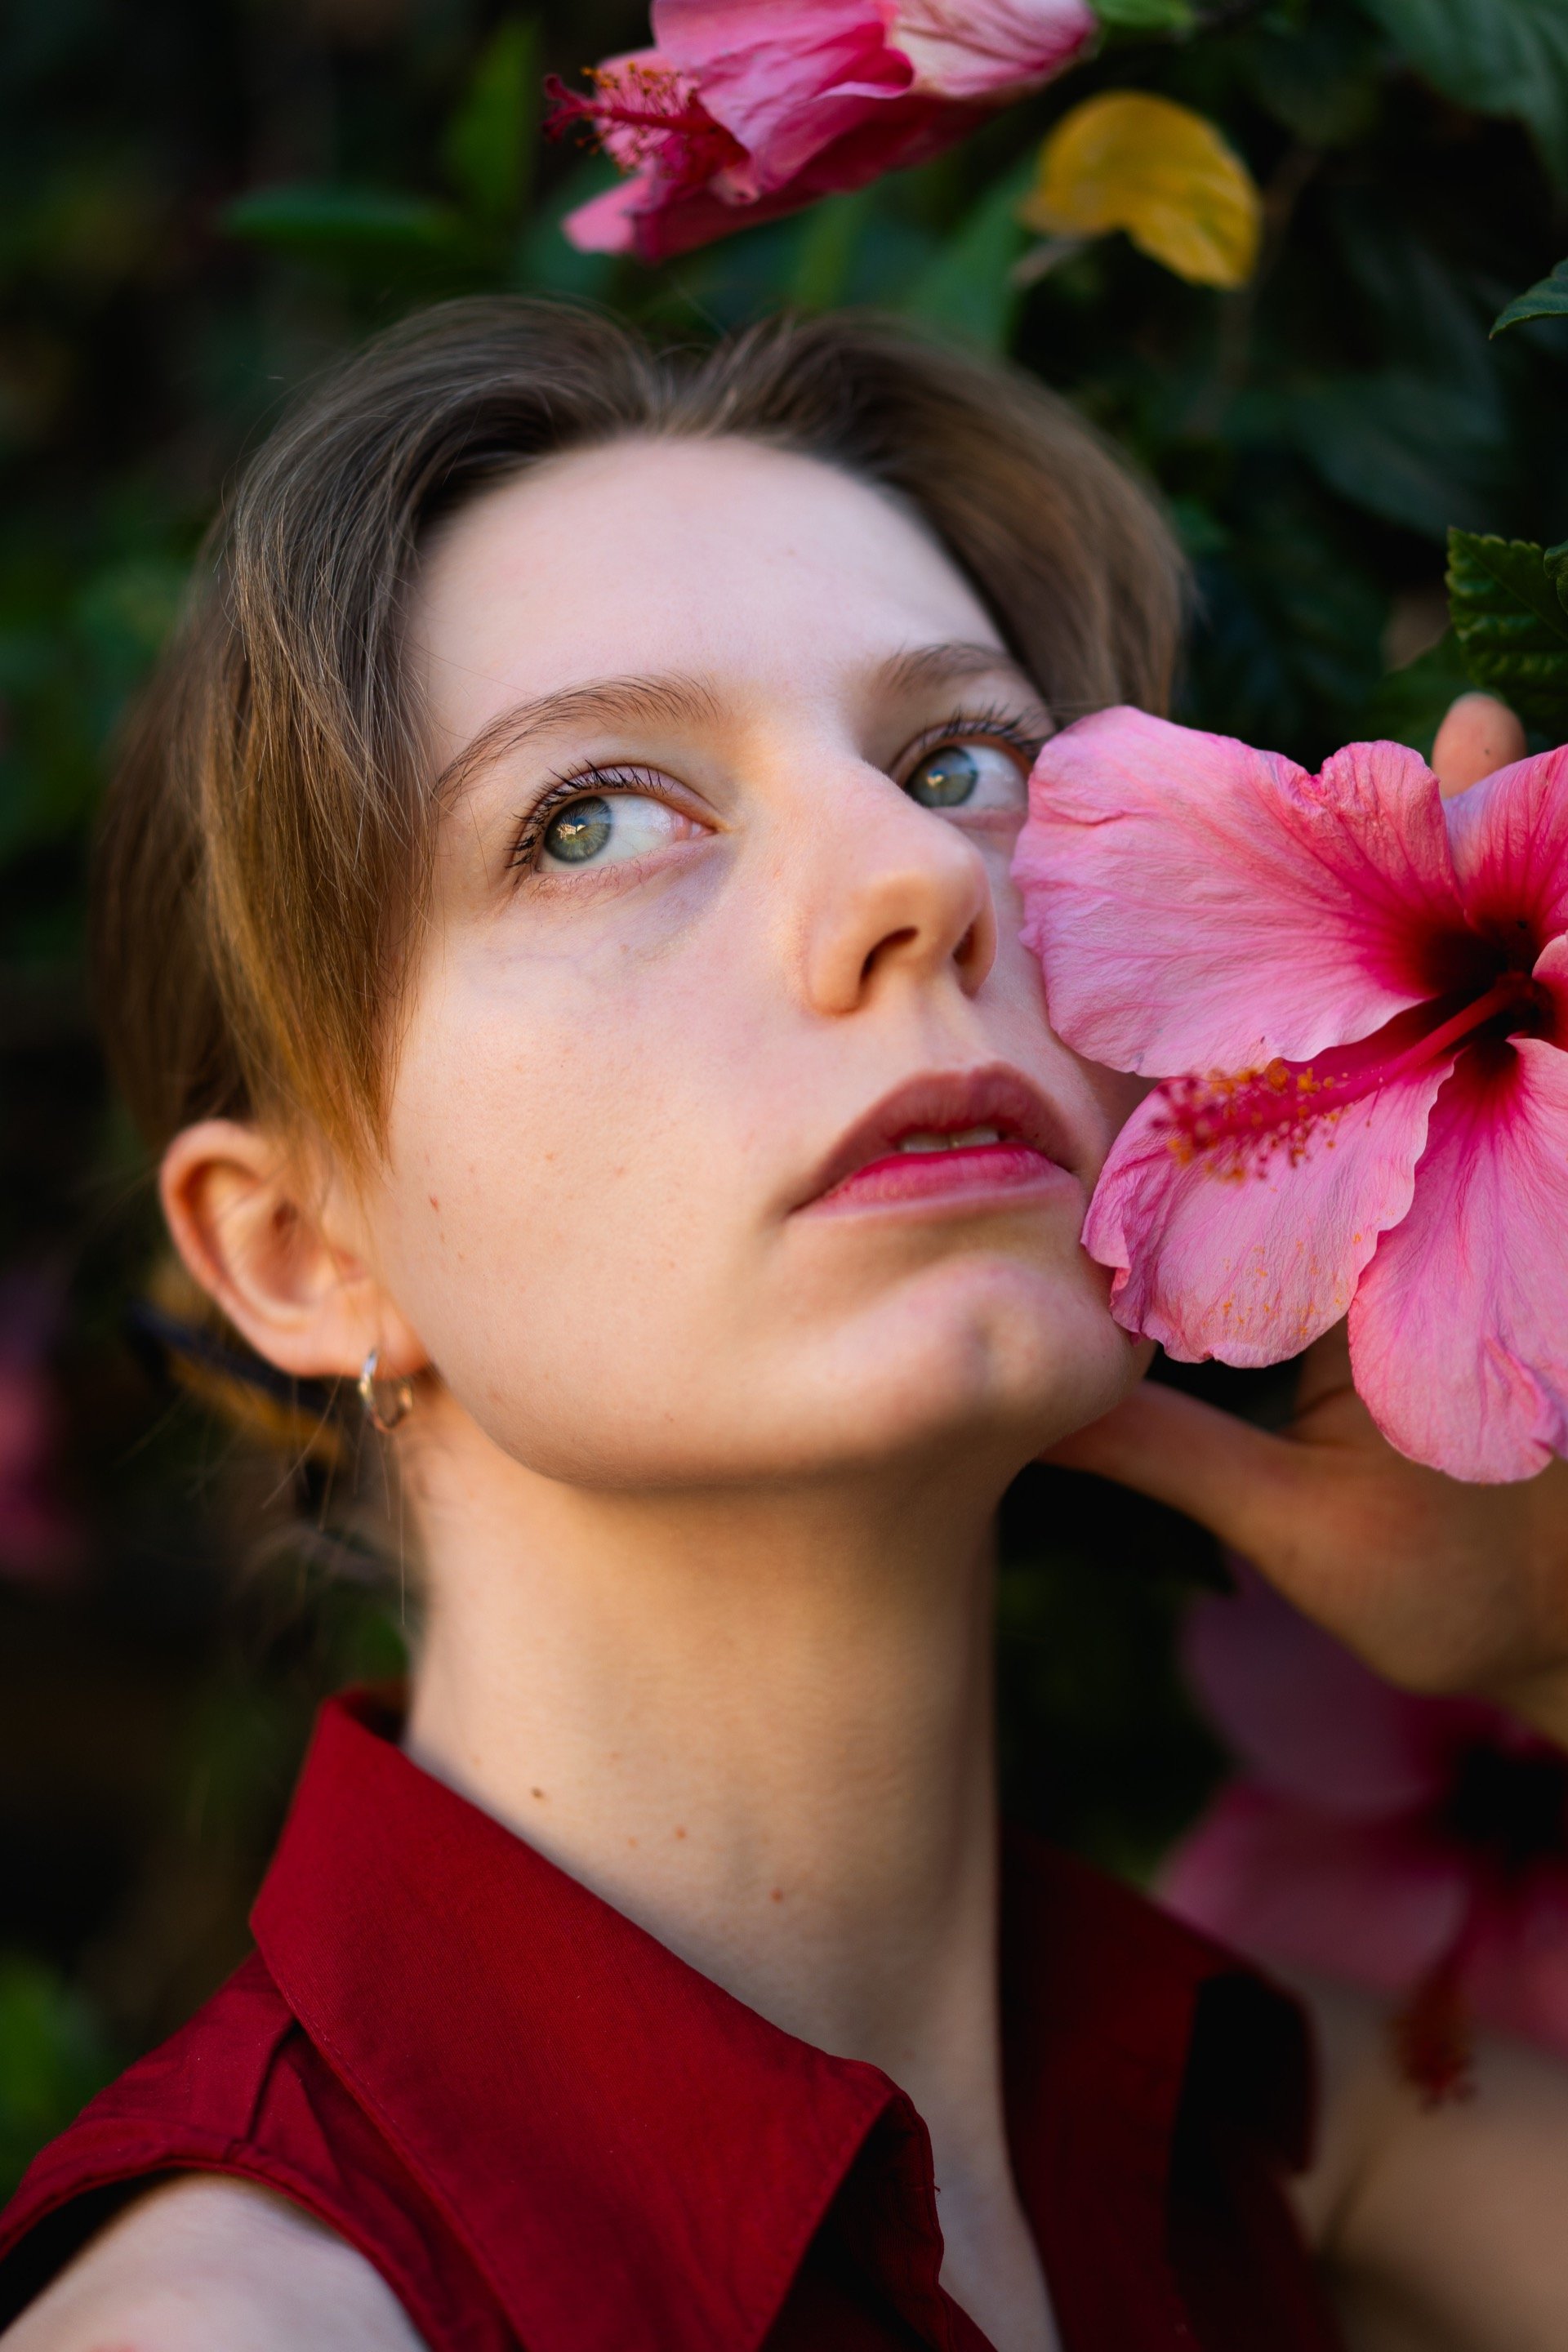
(693,1016)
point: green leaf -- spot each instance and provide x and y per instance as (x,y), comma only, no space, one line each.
(1321,79)
(827,251)
(490,141)
(1492,57)
(328,223)
(1509,602)
(1547,298)
(967,288)
(1398,444)
(1145,16)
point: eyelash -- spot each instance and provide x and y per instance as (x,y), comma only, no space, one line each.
(582,785)
(994,725)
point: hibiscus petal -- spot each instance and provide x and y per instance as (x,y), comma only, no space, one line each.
(1308,1719)
(1252,1266)
(1373,1901)
(1516,1974)
(1551,973)
(1376,1902)
(1459,1330)
(1196,904)
(989,48)
(785,80)
(1509,839)
(608,223)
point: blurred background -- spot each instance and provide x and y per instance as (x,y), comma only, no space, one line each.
(201,203)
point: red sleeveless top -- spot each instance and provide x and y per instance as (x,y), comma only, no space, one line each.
(550,2134)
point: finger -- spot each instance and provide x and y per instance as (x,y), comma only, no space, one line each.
(1241,1483)
(1479,733)
(1325,1367)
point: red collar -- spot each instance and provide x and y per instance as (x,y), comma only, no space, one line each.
(636,2159)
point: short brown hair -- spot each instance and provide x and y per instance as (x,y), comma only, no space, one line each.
(264,856)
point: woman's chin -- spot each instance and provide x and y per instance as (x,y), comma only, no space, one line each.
(979,1355)
(980,1360)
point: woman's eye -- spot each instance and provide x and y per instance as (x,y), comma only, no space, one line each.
(606,829)
(978,777)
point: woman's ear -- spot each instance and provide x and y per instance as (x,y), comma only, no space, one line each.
(264,1248)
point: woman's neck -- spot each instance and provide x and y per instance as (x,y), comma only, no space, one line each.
(761,1725)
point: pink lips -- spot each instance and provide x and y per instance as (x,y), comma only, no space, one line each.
(940,1175)
(867,1170)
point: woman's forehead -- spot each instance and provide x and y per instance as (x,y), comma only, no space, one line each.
(725,558)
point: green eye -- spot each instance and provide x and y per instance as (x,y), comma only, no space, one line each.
(580,831)
(945,779)
(612,828)
(981,781)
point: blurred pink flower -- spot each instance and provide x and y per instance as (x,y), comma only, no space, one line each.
(38,1537)
(1375,982)
(1415,1845)
(747,109)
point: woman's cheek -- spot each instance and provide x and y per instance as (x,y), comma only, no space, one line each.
(1118,1096)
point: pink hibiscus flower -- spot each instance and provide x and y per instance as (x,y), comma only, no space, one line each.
(747,109)
(1418,1847)
(1355,994)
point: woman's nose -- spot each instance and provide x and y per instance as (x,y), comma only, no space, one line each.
(895,893)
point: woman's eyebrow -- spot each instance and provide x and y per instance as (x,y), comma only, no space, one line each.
(948,664)
(623,701)
(598,702)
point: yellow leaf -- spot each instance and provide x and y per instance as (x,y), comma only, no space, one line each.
(1129,161)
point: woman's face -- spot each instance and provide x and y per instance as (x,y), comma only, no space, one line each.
(728,1139)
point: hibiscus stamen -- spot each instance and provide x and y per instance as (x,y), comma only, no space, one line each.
(640,114)
(1237,1120)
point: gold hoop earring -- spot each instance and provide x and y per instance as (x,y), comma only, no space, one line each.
(385,1402)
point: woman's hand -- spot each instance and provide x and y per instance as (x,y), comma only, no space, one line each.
(1438,1585)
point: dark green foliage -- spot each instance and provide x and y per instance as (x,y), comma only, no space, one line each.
(53,2057)
(489,146)
(201,203)
(1509,603)
(342,225)
(1500,57)
(1548,299)
(1145,17)
(1101,1747)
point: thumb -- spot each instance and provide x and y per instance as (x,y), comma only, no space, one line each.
(1239,1482)
(1479,733)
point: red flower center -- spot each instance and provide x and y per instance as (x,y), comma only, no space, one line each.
(645,114)
(1238,1119)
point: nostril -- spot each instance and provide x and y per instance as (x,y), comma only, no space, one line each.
(889,945)
(968,948)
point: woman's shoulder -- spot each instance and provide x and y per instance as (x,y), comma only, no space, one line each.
(206,2260)
(242,2105)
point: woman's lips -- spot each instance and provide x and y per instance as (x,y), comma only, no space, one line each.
(947,1137)
(958,1172)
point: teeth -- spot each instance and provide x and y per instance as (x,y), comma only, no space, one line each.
(964,1142)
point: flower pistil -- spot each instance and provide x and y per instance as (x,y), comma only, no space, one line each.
(1237,1120)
